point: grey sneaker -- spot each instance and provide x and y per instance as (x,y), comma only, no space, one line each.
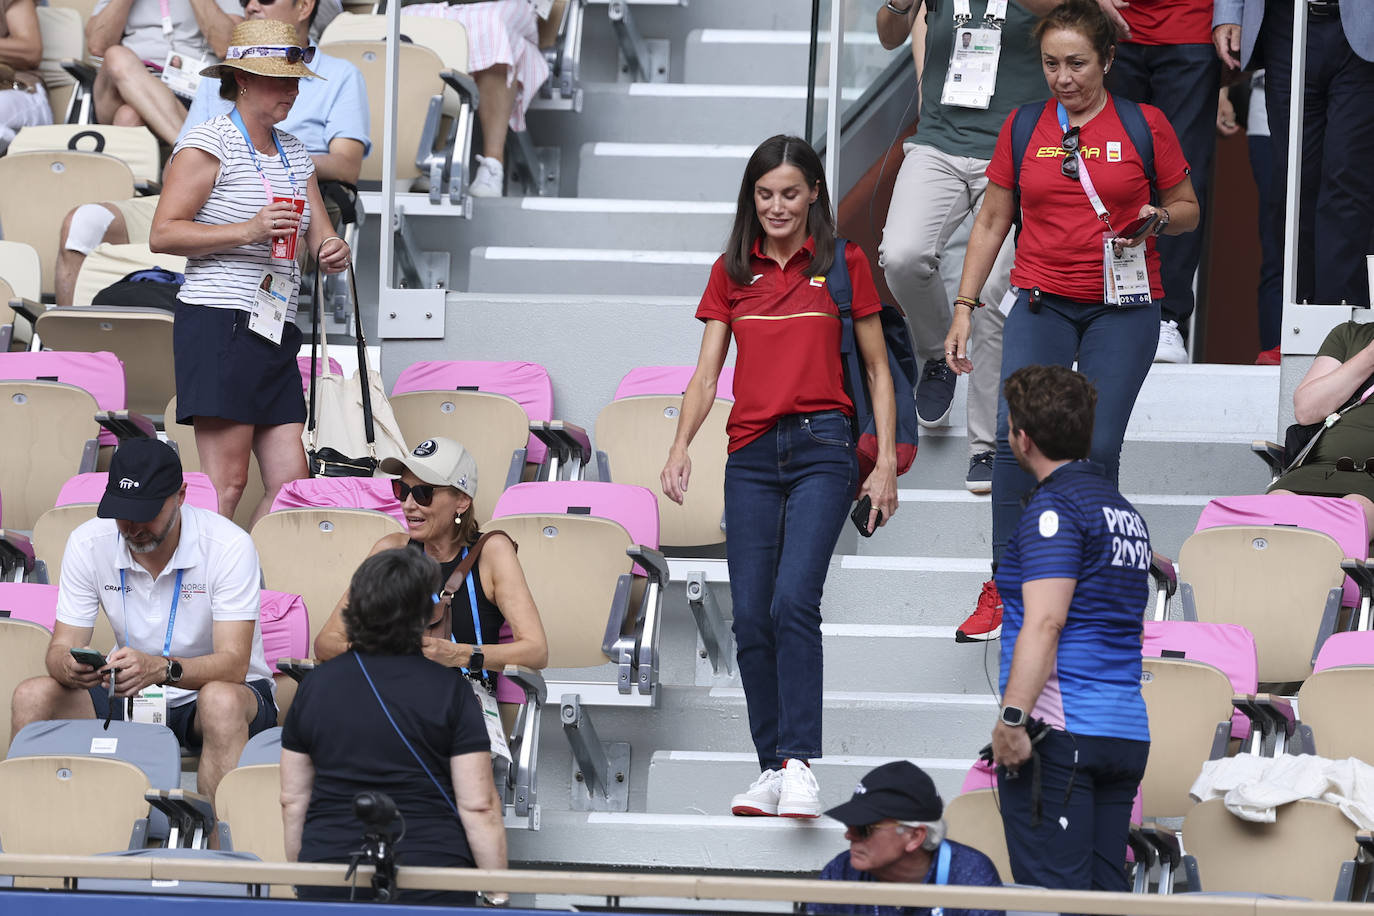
(935,394)
(979,477)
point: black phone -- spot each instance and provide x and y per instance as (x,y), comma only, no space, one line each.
(1137,229)
(89,657)
(860,517)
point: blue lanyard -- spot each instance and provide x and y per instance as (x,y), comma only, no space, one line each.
(476,621)
(253,153)
(941,874)
(171,615)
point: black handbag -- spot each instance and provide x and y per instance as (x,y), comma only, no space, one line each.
(325,461)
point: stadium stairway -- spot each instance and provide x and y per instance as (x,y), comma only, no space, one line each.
(606,277)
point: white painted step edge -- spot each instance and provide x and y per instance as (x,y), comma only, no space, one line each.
(619,255)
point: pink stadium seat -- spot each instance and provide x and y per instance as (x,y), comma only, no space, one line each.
(303,364)
(31,601)
(1355,648)
(102,374)
(526,383)
(285,627)
(341,493)
(1340,518)
(88,488)
(670,380)
(635,508)
(1228,647)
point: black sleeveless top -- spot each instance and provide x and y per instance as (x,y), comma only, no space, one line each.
(487,612)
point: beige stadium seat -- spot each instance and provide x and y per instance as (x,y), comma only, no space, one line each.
(1189,705)
(634,435)
(974,819)
(21,277)
(141,337)
(185,439)
(51,531)
(1283,584)
(1333,706)
(493,427)
(23,647)
(41,187)
(248,805)
(64,38)
(76,806)
(1307,852)
(314,552)
(49,436)
(136,147)
(109,263)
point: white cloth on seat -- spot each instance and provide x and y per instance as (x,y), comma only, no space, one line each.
(1253,787)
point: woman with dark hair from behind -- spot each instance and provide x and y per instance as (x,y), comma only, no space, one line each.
(383,717)
(792,470)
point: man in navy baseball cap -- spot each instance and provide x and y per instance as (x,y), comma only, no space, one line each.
(897,833)
(143,473)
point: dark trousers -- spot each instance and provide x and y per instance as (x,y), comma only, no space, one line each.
(1270,292)
(1336,212)
(787,495)
(1181,81)
(1080,841)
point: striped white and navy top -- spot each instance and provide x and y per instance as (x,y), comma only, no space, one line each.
(228,279)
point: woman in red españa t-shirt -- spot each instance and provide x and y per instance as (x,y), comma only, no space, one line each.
(1059,275)
(792,469)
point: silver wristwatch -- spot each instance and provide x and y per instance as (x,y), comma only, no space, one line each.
(892,9)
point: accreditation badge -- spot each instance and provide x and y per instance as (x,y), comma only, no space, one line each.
(1126,277)
(149,705)
(270,301)
(971,78)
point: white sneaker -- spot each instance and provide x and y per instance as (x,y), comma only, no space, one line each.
(489,180)
(800,795)
(1171,348)
(761,798)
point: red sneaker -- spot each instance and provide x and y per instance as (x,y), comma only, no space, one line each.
(1271,357)
(986,620)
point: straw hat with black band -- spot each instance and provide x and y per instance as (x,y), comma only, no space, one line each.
(263,47)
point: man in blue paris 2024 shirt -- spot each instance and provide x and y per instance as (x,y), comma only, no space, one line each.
(1074,581)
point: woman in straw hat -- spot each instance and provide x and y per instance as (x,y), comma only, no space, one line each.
(237,196)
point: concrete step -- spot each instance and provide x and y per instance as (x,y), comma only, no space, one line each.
(605,271)
(675,171)
(956,523)
(700,782)
(739,55)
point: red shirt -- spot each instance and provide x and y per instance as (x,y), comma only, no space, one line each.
(1060,246)
(787,337)
(1169,22)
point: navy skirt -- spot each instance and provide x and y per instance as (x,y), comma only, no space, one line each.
(225,370)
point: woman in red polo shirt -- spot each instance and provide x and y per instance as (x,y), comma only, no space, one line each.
(792,470)
(1083,293)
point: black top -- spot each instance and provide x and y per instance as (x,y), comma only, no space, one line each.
(487,611)
(338,722)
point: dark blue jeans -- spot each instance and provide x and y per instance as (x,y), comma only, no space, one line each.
(1080,841)
(1181,81)
(1336,212)
(787,495)
(1114,348)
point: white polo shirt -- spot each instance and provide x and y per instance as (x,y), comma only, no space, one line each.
(220,580)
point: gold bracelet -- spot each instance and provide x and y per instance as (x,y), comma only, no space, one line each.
(973,304)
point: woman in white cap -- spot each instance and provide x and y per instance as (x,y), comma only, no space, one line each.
(237,196)
(437,484)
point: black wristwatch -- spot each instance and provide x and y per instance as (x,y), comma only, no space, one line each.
(1013,716)
(173,672)
(477,661)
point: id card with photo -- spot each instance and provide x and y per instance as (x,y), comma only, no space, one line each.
(1126,277)
(972,76)
(270,302)
(181,73)
(150,705)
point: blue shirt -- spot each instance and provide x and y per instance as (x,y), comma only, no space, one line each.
(325,110)
(1078,526)
(966,866)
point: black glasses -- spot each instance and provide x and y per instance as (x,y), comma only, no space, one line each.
(864,831)
(1349,464)
(243,4)
(293,54)
(423,492)
(1068,166)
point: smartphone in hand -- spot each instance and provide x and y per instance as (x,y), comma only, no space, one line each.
(860,517)
(89,657)
(1137,229)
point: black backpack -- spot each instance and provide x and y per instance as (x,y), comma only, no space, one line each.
(153,288)
(901,362)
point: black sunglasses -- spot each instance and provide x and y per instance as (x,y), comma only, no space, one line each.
(1350,464)
(1068,166)
(864,831)
(292,53)
(423,492)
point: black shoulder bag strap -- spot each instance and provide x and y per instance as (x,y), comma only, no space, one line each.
(316,309)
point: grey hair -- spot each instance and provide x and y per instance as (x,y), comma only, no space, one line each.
(935,832)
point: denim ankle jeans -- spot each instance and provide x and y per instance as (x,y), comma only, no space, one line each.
(787,494)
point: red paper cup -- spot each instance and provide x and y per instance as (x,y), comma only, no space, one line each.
(284,247)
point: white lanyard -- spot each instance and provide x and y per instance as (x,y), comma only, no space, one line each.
(166,10)
(996,11)
(1083,178)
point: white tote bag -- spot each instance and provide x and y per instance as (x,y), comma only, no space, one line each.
(350,426)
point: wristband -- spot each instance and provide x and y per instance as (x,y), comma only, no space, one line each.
(972,304)
(892,9)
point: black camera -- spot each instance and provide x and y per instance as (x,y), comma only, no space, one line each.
(379,815)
